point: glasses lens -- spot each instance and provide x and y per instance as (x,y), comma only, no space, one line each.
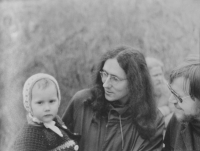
(177,97)
(114,80)
(103,75)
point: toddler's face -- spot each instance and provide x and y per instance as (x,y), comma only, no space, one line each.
(44,103)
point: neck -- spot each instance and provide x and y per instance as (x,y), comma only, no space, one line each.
(123,101)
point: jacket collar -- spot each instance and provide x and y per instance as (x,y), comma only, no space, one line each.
(187,130)
(187,136)
(120,109)
(195,124)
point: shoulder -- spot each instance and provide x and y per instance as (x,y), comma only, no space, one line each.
(159,123)
(82,96)
(30,129)
(175,126)
(174,123)
(29,137)
(173,130)
(78,103)
(30,132)
(77,106)
(84,93)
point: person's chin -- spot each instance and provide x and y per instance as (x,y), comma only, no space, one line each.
(158,91)
(109,97)
(47,119)
(181,117)
(179,114)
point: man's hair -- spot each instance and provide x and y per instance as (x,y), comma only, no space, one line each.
(189,69)
(141,99)
(153,62)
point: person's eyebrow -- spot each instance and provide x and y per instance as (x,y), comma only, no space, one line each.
(110,73)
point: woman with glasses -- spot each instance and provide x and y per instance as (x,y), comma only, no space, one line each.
(183,131)
(118,112)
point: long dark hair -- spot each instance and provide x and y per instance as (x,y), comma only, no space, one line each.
(142,103)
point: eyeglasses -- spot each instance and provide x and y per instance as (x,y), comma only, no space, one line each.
(114,80)
(176,95)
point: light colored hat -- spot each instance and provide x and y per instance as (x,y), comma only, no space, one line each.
(28,86)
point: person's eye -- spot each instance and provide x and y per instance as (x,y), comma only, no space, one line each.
(116,79)
(180,100)
(105,74)
(39,102)
(52,101)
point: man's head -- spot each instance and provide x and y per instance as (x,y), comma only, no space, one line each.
(128,67)
(185,88)
(122,76)
(114,81)
(155,67)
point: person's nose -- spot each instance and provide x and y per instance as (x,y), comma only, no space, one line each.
(172,99)
(159,78)
(107,82)
(47,107)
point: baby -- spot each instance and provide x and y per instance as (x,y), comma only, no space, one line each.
(44,130)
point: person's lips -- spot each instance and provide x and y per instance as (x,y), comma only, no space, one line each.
(158,83)
(48,115)
(108,92)
(177,107)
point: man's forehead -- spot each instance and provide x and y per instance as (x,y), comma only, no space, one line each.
(180,85)
(156,70)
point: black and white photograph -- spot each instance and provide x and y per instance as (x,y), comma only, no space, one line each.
(99,75)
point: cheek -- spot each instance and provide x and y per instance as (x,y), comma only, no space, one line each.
(189,108)
(153,79)
(123,90)
(197,108)
(36,110)
(55,107)
(32,108)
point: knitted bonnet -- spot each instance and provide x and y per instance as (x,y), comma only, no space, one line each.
(28,86)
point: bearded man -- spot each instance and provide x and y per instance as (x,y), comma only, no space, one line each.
(183,131)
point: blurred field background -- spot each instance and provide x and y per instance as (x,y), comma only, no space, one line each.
(65,38)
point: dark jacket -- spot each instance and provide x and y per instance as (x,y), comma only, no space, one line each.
(116,132)
(39,138)
(182,136)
